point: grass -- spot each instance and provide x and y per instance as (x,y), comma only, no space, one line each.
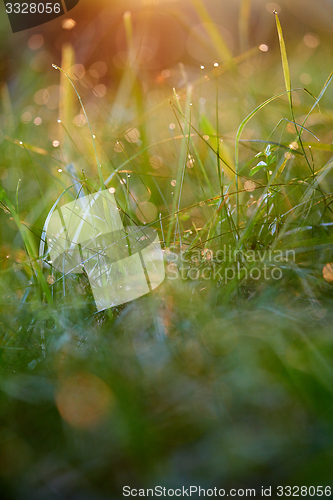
(215,382)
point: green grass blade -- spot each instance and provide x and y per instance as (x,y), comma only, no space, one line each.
(214,34)
(99,168)
(322,92)
(30,246)
(285,64)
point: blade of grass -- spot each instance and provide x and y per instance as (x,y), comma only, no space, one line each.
(284,58)
(99,168)
(181,163)
(29,245)
(238,136)
(243,24)
(66,113)
(212,31)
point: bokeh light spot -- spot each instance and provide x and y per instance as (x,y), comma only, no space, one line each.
(139,193)
(51,279)
(83,400)
(311,40)
(99,90)
(41,97)
(80,120)
(249,186)
(132,135)
(156,162)
(26,117)
(165,73)
(35,42)
(328,272)
(146,212)
(77,72)
(272,6)
(55,96)
(305,78)
(98,69)
(190,162)
(68,24)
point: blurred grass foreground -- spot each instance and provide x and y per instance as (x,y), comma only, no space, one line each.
(211,124)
